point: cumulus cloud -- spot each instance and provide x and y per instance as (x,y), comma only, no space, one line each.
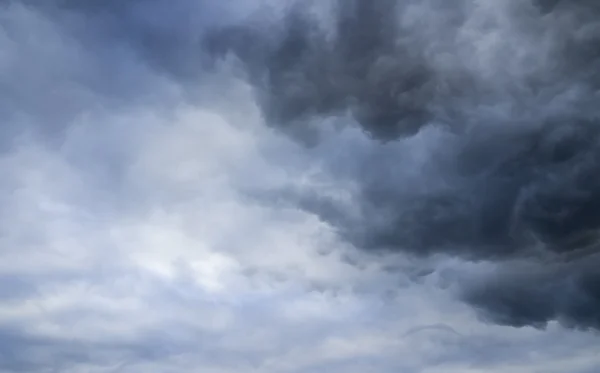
(160,214)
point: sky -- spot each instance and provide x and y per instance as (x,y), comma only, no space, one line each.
(275,186)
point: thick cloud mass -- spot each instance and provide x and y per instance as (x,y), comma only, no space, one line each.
(511,86)
(360,64)
(532,294)
(299,186)
(397,66)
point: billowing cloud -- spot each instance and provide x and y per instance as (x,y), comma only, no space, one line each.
(161,211)
(502,97)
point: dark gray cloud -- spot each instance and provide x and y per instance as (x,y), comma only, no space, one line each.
(512,88)
(534,293)
(396,67)
(302,70)
(504,193)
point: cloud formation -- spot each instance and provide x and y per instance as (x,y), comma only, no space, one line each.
(502,93)
(161,212)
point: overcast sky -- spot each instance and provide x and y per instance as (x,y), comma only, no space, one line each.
(299,186)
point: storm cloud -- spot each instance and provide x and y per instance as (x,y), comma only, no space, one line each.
(298,186)
(505,95)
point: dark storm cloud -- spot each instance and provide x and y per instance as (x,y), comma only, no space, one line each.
(516,175)
(503,193)
(533,294)
(361,65)
(398,66)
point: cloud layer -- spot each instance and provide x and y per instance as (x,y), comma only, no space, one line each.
(502,96)
(273,186)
